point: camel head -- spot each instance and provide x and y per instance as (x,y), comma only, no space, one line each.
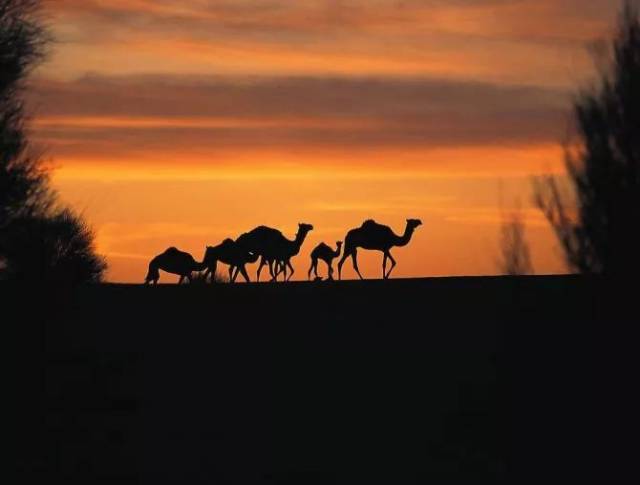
(304,228)
(152,275)
(338,244)
(413,223)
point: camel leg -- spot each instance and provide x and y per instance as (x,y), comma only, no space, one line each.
(237,271)
(384,265)
(181,279)
(330,269)
(311,269)
(243,272)
(354,257)
(315,268)
(345,255)
(274,269)
(285,271)
(281,267)
(274,276)
(231,278)
(393,264)
(213,267)
(262,263)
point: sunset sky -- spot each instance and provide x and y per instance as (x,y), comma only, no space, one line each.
(182,122)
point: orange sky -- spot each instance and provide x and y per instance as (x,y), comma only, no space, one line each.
(185,122)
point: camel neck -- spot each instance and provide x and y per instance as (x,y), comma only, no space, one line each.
(406,237)
(299,239)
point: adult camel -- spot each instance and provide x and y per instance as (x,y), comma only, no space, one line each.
(371,235)
(273,248)
(231,253)
(289,249)
(173,261)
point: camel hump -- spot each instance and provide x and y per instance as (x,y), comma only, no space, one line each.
(369,222)
(262,231)
(320,247)
(172,250)
(260,235)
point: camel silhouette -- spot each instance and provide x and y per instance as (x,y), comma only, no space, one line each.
(371,235)
(231,253)
(273,248)
(173,261)
(290,249)
(326,254)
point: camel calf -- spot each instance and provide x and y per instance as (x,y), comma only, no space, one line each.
(325,253)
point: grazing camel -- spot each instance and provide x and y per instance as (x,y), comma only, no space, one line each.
(273,247)
(326,254)
(371,235)
(228,252)
(173,261)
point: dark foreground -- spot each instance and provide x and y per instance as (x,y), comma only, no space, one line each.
(472,380)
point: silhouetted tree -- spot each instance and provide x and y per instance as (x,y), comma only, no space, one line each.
(603,165)
(53,248)
(38,241)
(23,182)
(515,256)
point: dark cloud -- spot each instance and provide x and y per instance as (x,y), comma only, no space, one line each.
(226,113)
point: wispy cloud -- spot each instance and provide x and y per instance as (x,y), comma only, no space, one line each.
(509,40)
(128,117)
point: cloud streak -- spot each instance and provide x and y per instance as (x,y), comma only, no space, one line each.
(116,116)
(539,20)
(484,39)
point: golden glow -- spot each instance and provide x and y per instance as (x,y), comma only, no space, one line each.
(182,123)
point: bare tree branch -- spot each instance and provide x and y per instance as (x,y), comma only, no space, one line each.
(603,166)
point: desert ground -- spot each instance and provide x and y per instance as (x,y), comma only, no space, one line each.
(464,380)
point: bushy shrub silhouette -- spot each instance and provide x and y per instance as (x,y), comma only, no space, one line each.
(38,241)
(55,248)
